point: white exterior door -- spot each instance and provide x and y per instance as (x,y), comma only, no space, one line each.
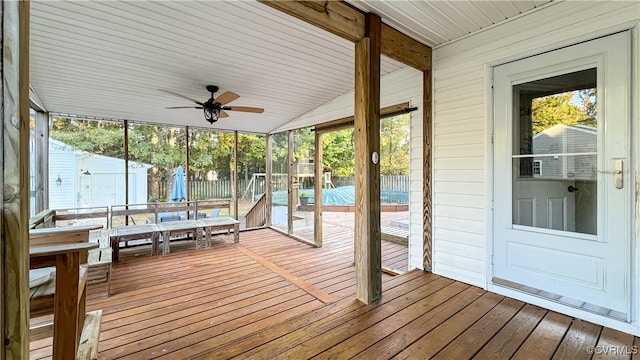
(562,189)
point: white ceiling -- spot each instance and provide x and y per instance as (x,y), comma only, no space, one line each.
(437,22)
(108,59)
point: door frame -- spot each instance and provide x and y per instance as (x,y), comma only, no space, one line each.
(632,327)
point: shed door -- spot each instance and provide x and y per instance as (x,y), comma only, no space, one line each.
(562,187)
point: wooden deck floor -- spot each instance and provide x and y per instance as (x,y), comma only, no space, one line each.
(272,297)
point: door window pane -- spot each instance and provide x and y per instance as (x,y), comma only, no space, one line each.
(555,153)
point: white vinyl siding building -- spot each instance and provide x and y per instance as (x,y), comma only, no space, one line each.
(463,125)
(88,180)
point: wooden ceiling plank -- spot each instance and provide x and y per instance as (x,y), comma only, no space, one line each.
(335,17)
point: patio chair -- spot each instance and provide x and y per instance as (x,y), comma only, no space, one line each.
(169,217)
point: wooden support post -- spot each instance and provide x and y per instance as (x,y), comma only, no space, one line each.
(367,170)
(186,170)
(291,202)
(235,175)
(42,161)
(268,176)
(14,114)
(317,196)
(426,175)
(126,166)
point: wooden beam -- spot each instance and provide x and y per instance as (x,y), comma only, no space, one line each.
(341,19)
(14,223)
(367,170)
(290,197)
(42,161)
(336,17)
(426,168)
(404,49)
(317,196)
(347,122)
(268,175)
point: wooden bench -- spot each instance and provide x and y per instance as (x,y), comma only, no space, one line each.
(75,332)
(123,215)
(224,223)
(155,213)
(99,260)
(73,216)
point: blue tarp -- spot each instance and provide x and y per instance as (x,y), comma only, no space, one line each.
(179,190)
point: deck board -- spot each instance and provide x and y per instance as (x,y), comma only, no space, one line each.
(477,335)
(618,344)
(546,337)
(506,342)
(221,303)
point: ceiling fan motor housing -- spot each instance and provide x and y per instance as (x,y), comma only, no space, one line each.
(212,89)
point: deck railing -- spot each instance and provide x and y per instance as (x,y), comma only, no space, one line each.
(257,215)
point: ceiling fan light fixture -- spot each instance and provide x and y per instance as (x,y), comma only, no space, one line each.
(211,114)
(215,106)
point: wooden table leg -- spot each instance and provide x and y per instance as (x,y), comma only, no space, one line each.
(155,244)
(166,248)
(207,233)
(198,238)
(65,322)
(236,233)
(115,245)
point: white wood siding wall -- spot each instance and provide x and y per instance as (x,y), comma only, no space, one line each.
(404,85)
(62,163)
(98,164)
(462,113)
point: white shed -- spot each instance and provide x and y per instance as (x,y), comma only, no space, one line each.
(88,180)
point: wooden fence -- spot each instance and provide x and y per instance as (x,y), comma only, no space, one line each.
(218,189)
(221,189)
(387,182)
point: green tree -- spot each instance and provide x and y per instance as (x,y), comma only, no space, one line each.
(98,137)
(548,111)
(251,155)
(164,148)
(338,152)
(394,145)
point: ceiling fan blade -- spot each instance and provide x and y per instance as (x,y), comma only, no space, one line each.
(245,109)
(226,97)
(223,114)
(184,107)
(182,96)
